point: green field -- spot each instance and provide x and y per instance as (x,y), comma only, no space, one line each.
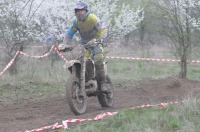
(183,117)
(46,77)
(38,79)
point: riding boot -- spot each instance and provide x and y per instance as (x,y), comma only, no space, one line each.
(101,75)
(102,79)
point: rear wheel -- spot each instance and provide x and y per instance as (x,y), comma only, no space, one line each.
(76,102)
(106,99)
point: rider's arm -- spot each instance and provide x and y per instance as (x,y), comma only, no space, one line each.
(101,29)
(70,33)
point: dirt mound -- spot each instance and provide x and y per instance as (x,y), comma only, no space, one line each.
(30,115)
(168,89)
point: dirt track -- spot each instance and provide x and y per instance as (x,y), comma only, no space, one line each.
(30,115)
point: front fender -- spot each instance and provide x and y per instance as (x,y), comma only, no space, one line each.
(68,65)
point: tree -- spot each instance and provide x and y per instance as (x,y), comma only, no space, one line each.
(15,31)
(25,21)
(177,23)
(119,17)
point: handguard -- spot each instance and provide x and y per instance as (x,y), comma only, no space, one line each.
(64,47)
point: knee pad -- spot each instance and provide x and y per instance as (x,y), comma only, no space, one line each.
(98,60)
(98,57)
(88,53)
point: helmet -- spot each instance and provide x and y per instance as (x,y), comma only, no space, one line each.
(81,5)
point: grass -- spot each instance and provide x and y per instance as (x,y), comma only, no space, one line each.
(182,117)
(37,79)
(47,75)
(30,91)
(40,79)
(140,70)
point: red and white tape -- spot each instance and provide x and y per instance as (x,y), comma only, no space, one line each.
(20,52)
(53,127)
(38,57)
(149,59)
(60,54)
(65,123)
(149,105)
(10,63)
(109,57)
(98,117)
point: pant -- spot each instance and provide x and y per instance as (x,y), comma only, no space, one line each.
(97,55)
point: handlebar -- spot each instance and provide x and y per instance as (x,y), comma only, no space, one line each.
(66,48)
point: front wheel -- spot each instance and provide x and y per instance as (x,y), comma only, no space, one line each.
(106,99)
(76,102)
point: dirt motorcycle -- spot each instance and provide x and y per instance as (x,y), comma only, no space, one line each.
(83,82)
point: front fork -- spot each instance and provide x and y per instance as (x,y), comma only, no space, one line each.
(82,75)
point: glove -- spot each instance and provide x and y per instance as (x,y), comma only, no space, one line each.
(92,42)
(64,47)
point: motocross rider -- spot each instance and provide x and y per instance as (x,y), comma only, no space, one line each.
(90,29)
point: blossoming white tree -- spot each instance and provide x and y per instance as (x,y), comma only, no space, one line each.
(22,21)
(40,16)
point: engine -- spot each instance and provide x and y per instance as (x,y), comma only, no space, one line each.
(91,87)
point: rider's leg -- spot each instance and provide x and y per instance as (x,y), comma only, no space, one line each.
(89,72)
(100,71)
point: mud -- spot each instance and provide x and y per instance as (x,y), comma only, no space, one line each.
(28,115)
